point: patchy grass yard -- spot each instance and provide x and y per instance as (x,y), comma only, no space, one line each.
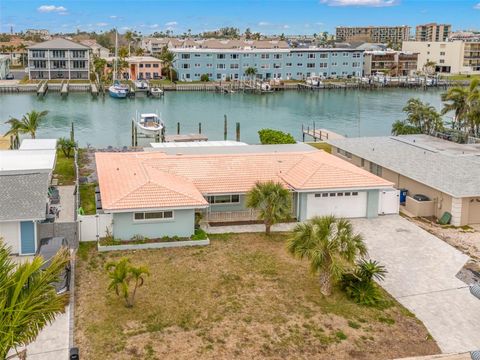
(242,297)
(87,198)
(64,169)
(322,146)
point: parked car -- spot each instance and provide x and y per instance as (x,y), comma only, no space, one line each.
(47,249)
(420,197)
(9,77)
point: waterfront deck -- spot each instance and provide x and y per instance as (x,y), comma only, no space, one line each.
(319,134)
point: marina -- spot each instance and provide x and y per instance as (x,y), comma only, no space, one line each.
(104,121)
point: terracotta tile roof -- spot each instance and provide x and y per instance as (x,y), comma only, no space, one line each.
(156,180)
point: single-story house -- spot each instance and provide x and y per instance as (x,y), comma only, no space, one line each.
(25,176)
(446,172)
(157,193)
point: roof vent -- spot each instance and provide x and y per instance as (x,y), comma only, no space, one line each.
(475,291)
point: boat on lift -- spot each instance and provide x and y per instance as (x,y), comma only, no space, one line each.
(149,124)
(156,92)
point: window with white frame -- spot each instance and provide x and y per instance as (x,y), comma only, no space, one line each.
(310,65)
(224,199)
(220,66)
(152,215)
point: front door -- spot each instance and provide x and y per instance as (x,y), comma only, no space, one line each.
(27,237)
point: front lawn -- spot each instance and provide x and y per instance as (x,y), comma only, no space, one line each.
(241,297)
(87,198)
(64,169)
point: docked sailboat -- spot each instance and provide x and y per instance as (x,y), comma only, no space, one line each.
(149,124)
(117,90)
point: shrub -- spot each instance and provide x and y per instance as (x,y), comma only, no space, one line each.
(200,234)
(204,78)
(270,136)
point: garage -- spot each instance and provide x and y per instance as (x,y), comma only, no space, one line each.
(348,204)
(474,211)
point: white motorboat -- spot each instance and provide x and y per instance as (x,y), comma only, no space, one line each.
(141,85)
(156,91)
(149,124)
(314,81)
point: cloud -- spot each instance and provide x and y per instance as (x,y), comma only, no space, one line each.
(286,26)
(101,24)
(171,23)
(264,23)
(154,26)
(51,8)
(477,6)
(113,16)
(370,3)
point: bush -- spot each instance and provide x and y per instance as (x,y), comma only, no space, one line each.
(204,78)
(199,235)
(270,136)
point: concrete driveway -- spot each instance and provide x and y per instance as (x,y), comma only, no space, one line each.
(421,276)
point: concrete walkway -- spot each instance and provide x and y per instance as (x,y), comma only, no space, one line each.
(421,276)
(67,203)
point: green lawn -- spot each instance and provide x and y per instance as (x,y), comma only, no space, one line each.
(461,77)
(241,297)
(64,169)
(322,146)
(87,198)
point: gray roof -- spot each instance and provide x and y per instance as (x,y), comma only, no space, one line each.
(443,165)
(23,197)
(59,44)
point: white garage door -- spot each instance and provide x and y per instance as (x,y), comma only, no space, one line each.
(348,204)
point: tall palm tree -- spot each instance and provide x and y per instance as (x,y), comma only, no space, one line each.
(251,72)
(28,124)
(168,59)
(330,245)
(28,300)
(121,274)
(273,201)
(129,38)
(429,67)
(462,101)
(423,116)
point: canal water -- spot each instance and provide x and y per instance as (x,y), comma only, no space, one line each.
(105,121)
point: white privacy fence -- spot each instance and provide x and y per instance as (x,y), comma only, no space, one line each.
(93,227)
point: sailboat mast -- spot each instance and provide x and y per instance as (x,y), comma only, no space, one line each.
(115,63)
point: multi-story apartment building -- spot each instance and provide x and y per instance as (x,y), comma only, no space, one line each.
(273,63)
(375,34)
(455,57)
(390,62)
(433,32)
(59,59)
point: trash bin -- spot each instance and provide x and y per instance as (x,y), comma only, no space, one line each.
(74,354)
(403,195)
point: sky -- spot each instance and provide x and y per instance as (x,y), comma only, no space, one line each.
(265,16)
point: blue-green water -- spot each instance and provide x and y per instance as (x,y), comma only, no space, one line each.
(107,121)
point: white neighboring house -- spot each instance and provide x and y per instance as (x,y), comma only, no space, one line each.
(97,49)
(25,176)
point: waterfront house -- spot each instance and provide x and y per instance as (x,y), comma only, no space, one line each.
(157,193)
(25,176)
(16,49)
(140,68)
(59,59)
(390,62)
(97,49)
(4,66)
(446,172)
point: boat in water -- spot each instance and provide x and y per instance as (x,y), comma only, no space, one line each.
(149,124)
(141,85)
(117,90)
(156,92)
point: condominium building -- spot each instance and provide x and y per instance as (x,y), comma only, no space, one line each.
(390,62)
(433,32)
(274,63)
(454,57)
(59,59)
(376,34)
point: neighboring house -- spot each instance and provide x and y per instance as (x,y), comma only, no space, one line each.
(270,63)
(157,193)
(59,59)
(390,62)
(4,66)
(140,68)
(25,176)
(446,172)
(97,49)
(16,49)
(452,57)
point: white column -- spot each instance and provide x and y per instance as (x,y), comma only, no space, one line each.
(456,211)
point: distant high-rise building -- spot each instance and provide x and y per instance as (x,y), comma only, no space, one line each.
(433,32)
(375,34)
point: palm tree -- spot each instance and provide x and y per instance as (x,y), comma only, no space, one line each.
(129,38)
(139,52)
(429,67)
(121,273)
(29,301)
(462,101)
(251,72)
(168,58)
(330,245)
(273,201)
(66,145)
(422,118)
(27,125)
(400,127)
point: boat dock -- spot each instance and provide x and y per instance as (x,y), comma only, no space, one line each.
(42,88)
(185,138)
(93,89)
(64,88)
(319,134)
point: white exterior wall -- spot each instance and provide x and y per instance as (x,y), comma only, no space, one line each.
(430,51)
(93,227)
(456,211)
(10,233)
